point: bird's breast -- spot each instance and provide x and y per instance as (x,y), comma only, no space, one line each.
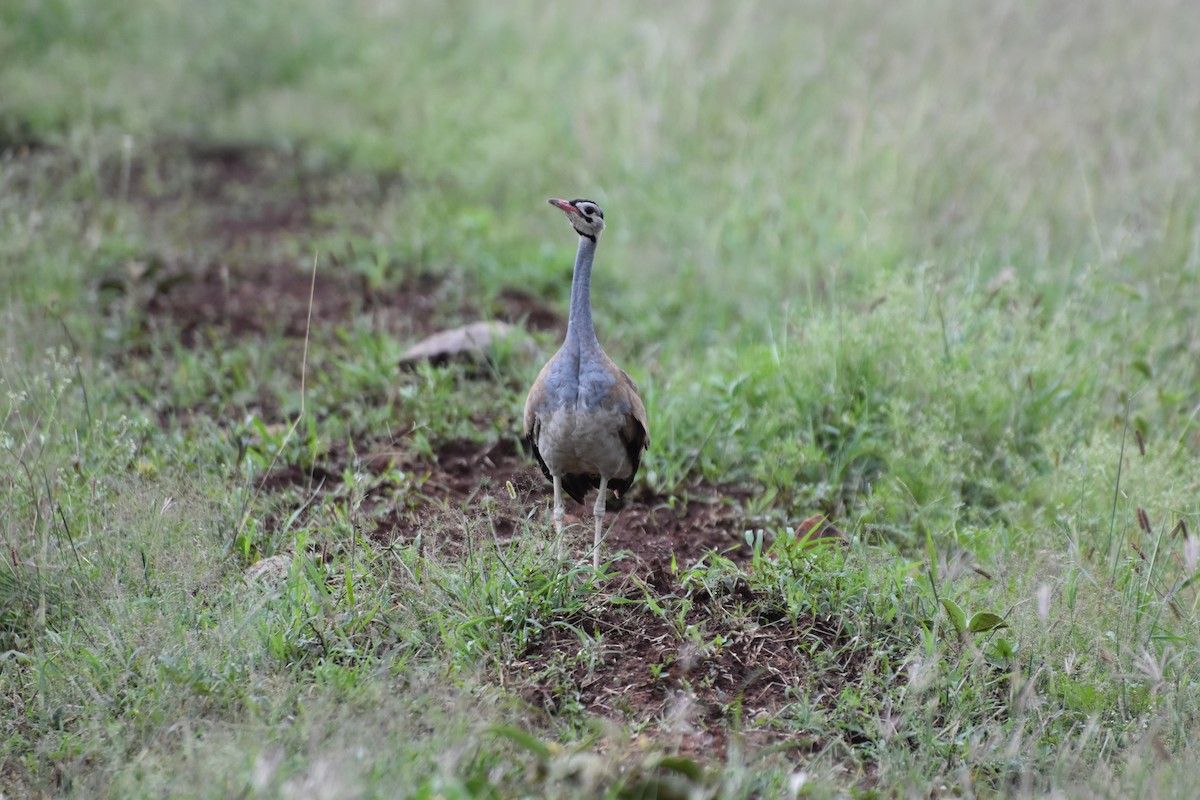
(583,383)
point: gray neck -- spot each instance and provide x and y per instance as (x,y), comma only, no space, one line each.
(579,324)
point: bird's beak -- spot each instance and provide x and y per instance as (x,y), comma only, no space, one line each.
(565,206)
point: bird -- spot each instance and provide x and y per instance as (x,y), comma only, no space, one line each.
(584,419)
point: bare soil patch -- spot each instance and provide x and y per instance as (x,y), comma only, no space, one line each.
(649,528)
(272,299)
(261,299)
(498,481)
(733,672)
(241,226)
(718,664)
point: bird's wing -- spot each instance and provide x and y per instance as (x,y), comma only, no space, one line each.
(536,396)
(533,402)
(637,414)
(635,432)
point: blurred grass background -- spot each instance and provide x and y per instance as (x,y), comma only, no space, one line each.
(775,149)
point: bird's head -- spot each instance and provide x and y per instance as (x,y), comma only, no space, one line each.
(586,217)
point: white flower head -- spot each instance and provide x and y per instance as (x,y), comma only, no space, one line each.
(1043,601)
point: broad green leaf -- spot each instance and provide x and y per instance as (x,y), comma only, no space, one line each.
(986,621)
(957,616)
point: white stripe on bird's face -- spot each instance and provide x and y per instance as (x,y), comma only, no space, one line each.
(586,216)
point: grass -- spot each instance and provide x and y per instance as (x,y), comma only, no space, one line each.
(930,271)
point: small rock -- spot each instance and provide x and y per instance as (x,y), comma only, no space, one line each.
(471,341)
(268,570)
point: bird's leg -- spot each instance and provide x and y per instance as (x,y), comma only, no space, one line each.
(558,515)
(599,510)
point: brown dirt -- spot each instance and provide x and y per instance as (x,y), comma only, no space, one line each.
(465,476)
(273,299)
(252,219)
(732,673)
(517,306)
(260,299)
(644,525)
